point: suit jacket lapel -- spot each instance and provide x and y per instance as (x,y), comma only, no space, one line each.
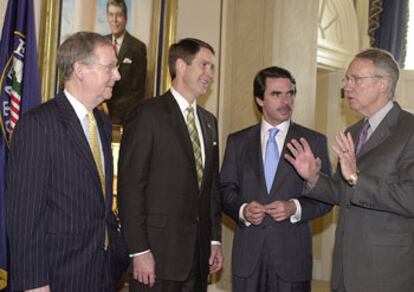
(255,158)
(76,135)
(106,149)
(124,48)
(207,129)
(284,167)
(179,126)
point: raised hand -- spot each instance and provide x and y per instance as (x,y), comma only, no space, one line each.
(345,151)
(303,160)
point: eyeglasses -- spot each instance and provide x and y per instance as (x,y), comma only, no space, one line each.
(111,68)
(356,80)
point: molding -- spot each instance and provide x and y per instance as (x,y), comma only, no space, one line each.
(338,34)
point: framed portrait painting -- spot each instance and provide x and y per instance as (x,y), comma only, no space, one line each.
(150,21)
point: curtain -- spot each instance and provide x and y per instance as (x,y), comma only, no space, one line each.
(388,23)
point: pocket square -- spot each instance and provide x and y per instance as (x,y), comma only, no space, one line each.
(127,61)
(214,143)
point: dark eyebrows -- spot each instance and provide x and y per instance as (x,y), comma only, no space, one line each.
(278,93)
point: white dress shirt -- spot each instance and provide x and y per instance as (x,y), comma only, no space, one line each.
(280,140)
(81,113)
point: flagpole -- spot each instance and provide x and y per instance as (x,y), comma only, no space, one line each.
(48,43)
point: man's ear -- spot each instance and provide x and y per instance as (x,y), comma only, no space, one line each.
(180,66)
(79,70)
(259,102)
(385,84)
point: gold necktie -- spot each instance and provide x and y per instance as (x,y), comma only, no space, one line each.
(192,130)
(94,143)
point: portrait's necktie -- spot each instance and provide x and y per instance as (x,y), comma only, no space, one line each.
(195,140)
(94,144)
(271,158)
(115,45)
(362,138)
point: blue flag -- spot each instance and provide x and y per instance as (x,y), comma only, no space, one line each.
(19,92)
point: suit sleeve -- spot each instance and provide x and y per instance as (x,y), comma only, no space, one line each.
(313,208)
(26,204)
(394,192)
(229,183)
(215,194)
(134,165)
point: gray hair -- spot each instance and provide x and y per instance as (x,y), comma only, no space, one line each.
(79,47)
(385,65)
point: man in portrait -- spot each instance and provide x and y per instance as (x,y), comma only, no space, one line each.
(132,61)
(262,193)
(62,232)
(373,184)
(168,180)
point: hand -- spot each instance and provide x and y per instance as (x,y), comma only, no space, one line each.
(40,289)
(303,160)
(254,213)
(144,269)
(280,210)
(345,151)
(216,258)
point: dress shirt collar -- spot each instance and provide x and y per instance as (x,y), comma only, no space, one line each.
(283,128)
(119,40)
(377,118)
(79,108)
(182,102)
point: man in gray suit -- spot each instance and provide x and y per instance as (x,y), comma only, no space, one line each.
(272,249)
(132,61)
(373,184)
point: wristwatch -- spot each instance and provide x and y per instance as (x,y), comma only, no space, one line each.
(353,178)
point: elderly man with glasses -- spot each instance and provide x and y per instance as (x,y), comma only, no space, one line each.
(373,184)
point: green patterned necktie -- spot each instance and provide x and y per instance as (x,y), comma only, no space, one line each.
(192,130)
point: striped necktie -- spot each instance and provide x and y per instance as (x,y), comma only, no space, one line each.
(195,140)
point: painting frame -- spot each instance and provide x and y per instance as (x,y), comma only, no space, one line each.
(162,35)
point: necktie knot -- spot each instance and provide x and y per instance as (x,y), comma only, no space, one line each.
(365,126)
(363,135)
(91,119)
(115,45)
(272,134)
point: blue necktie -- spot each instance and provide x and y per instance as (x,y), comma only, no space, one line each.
(271,158)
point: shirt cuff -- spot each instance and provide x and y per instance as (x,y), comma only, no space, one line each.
(298,214)
(215,242)
(241,215)
(139,253)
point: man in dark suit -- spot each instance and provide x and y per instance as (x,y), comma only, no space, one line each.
(132,61)
(272,248)
(373,184)
(168,180)
(61,229)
